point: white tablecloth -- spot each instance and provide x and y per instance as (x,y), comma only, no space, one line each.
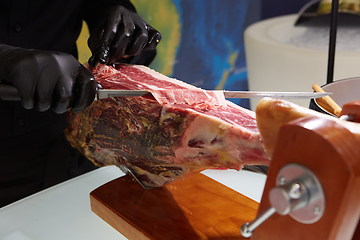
(63,211)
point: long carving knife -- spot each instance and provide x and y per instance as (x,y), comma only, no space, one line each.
(9,93)
(105,93)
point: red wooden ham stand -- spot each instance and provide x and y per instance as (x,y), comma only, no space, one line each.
(332,154)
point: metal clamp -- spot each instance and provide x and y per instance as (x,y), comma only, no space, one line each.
(297,193)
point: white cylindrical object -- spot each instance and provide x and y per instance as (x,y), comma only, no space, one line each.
(275,64)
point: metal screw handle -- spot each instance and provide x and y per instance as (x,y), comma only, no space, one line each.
(282,201)
(248,228)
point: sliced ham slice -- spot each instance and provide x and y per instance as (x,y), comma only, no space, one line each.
(164,89)
(168,136)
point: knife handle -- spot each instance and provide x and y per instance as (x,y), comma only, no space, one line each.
(8,92)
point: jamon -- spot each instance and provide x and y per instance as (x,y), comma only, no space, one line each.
(166,137)
(271,114)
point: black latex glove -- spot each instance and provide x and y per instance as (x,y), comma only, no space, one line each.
(47,79)
(121,34)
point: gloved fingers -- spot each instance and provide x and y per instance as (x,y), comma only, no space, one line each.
(75,88)
(93,60)
(45,86)
(139,41)
(131,41)
(122,39)
(110,31)
(121,35)
(62,94)
(93,43)
(95,37)
(84,90)
(27,93)
(154,38)
(101,54)
(24,78)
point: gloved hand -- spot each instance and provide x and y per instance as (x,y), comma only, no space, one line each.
(46,79)
(121,34)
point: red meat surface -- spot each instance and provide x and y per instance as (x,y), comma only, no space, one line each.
(166,136)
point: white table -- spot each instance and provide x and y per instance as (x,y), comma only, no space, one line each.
(63,211)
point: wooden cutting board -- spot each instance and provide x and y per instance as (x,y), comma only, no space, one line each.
(195,208)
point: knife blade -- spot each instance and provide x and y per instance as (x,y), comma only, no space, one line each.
(9,93)
(261,94)
(106,93)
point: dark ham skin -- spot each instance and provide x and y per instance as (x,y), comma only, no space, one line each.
(167,136)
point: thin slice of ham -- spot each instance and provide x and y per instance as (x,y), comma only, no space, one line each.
(166,137)
(165,90)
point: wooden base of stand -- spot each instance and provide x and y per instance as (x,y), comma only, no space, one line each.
(195,208)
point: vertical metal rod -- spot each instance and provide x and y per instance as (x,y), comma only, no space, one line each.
(332,40)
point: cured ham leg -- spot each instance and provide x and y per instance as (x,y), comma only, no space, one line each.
(165,137)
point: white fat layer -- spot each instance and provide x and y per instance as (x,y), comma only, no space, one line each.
(217,139)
